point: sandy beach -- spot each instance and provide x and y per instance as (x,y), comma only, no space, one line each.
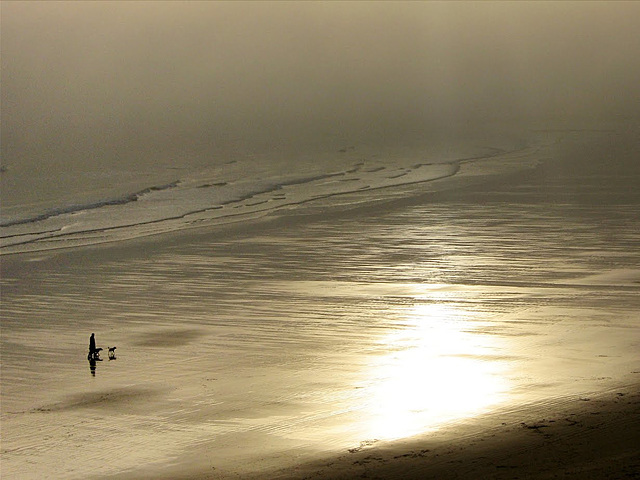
(576,437)
(451,334)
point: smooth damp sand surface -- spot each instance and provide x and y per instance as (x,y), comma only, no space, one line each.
(594,437)
(374,341)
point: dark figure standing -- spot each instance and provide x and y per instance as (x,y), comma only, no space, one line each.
(93,351)
(94,354)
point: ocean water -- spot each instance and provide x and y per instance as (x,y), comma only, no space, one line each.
(94,202)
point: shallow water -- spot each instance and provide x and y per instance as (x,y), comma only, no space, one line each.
(104,205)
(252,349)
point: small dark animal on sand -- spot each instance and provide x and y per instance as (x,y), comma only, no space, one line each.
(112,352)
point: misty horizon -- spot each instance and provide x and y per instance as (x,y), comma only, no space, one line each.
(98,81)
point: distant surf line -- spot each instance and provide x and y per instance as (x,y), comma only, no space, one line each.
(79,238)
(123,200)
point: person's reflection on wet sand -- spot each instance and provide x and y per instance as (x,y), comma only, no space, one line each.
(92,363)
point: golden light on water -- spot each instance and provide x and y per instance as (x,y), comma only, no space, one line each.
(438,369)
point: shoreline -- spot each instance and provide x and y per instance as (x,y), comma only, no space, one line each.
(463,173)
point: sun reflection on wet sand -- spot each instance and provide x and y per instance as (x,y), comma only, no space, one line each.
(438,369)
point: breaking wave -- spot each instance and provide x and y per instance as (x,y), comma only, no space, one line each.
(230,193)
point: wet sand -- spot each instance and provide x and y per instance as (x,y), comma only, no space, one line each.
(391,341)
(576,437)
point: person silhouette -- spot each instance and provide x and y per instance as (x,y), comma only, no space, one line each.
(92,345)
(94,354)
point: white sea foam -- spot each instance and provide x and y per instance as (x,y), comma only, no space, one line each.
(235,191)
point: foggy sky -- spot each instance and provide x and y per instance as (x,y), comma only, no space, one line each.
(117,79)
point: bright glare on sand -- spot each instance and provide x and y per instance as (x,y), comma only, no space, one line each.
(435,372)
